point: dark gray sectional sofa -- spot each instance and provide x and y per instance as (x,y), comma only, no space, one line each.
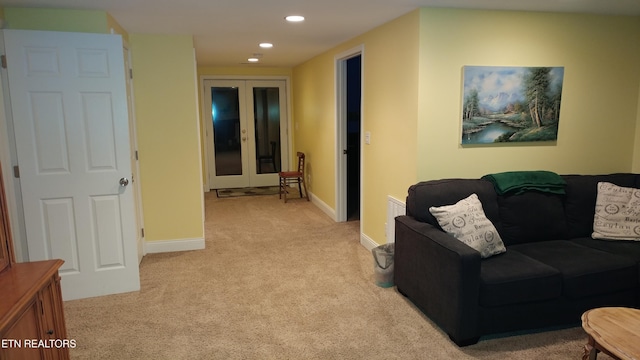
(550,274)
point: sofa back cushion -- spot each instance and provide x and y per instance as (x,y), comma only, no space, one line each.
(532,216)
(581,194)
(426,194)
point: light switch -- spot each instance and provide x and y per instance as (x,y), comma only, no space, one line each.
(367,137)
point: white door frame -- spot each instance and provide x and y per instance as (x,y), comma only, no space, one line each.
(135,168)
(341,133)
(204,112)
(9,158)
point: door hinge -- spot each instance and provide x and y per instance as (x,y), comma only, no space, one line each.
(136,155)
(130,73)
(142,232)
(16,172)
(3,59)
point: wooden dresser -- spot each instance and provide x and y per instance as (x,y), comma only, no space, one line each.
(32,322)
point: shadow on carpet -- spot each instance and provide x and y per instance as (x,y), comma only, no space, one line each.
(250,191)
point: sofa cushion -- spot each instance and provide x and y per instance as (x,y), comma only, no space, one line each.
(513,278)
(617,215)
(627,248)
(426,194)
(466,221)
(580,199)
(532,216)
(585,271)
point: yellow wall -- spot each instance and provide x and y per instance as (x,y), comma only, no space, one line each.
(600,96)
(168,136)
(411,104)
(314,123)
(168,142)
(636,151)
(115,28)
(90,21)
(390,109)
(411,98)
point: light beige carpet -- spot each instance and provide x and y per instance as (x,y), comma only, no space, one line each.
(276,281)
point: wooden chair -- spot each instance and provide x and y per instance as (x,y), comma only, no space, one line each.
(292,177)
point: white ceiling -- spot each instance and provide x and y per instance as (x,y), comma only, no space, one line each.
(227,32)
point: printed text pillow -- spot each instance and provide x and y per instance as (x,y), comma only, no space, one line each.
(617,215)
(466,221)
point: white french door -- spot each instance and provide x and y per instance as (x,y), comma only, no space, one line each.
(71,128)
(246,132)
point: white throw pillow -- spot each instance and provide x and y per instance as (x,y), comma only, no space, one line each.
(617,215)
(466,221)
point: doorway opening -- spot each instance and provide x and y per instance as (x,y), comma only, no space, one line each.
(354,124)
(349,79)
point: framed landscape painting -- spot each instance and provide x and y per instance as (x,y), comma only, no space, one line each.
(510,104)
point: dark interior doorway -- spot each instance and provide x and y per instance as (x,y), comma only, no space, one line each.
(354,99)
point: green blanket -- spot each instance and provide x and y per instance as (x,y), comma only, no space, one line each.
(518,182)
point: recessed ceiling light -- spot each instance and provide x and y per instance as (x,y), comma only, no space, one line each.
(266,45)
(253,59)
(294,18)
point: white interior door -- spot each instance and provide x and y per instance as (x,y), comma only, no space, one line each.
(69,110)
(246,132)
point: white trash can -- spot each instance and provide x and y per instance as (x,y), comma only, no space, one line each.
(383,265)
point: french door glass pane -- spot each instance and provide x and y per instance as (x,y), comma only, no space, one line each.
(225,114)
(266,109)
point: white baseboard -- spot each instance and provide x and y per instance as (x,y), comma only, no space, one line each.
(161,246)
(367,242)
(323,206)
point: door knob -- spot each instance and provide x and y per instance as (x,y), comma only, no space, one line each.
(124,182)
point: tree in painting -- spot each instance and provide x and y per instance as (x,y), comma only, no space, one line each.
(511,104)
(471,105)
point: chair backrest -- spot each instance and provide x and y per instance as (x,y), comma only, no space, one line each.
(301,162)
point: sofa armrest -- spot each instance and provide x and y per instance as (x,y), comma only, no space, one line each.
(440,275)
